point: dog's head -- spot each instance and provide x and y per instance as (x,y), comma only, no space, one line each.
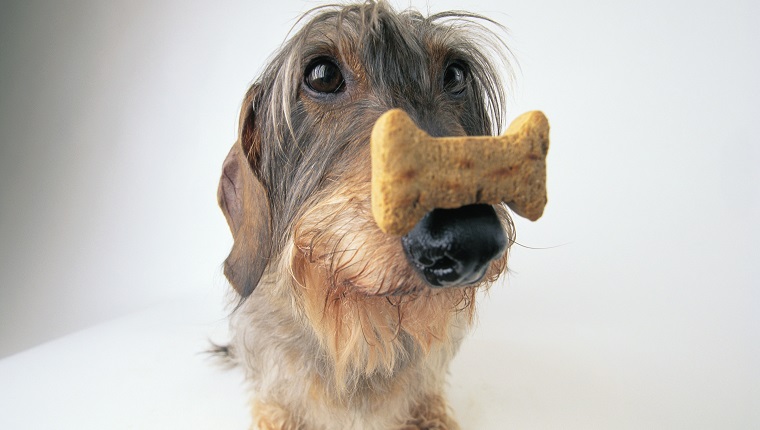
(296,185)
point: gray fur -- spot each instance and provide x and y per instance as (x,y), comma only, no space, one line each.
(300,152)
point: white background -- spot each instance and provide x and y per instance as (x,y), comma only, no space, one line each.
(642,303)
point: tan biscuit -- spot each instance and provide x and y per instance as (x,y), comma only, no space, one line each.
(414,173)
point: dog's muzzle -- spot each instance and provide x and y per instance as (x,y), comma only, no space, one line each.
(436,192)
(454,247)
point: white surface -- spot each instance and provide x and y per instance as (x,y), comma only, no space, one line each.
(643,312)
(148,371)
(144,371)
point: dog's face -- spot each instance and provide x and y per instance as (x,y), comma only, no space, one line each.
(296,186)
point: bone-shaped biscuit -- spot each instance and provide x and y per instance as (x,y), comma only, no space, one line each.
(414,173)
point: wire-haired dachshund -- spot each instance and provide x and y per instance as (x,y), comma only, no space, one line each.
(337,324)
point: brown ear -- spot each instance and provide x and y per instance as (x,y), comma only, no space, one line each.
(245,204)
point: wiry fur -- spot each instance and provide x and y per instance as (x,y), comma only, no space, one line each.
(334,328)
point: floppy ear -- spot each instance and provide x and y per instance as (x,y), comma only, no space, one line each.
(245,204)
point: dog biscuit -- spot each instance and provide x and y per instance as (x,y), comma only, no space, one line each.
(414,173)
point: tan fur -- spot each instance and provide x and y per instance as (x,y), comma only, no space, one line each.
(360,293)
(272,417)
(431,414)
(332,325)
(385,353)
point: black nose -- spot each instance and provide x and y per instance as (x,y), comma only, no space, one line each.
(451,247)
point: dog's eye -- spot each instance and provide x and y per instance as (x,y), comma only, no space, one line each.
(324,76)
(455,79)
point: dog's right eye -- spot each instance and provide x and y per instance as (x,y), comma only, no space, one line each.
(324,76)
(455,79)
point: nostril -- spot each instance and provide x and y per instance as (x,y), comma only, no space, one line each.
(444,264)
(425,261)
(441,272)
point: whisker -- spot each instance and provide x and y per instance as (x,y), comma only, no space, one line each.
(542,247)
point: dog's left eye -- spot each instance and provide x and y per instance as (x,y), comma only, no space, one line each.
(455,79)
(324,76)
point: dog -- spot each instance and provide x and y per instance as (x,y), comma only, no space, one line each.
(338,325)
